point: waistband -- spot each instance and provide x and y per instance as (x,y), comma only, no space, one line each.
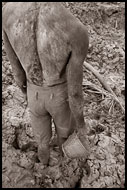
(45,87)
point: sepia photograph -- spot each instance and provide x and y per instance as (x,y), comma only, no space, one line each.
(63,94)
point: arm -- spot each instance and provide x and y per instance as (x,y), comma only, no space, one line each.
(74,79)
(18,71)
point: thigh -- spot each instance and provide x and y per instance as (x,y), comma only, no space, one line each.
(58,107)
(63,118)
(40,118)
(41,126)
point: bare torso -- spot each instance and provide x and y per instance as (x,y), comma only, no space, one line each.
(43,35)
(46,44)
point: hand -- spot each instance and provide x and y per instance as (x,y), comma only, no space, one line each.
(82,131)
(25,96)
(82,135)
(24,91)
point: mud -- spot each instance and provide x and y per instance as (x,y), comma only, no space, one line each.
(20,165)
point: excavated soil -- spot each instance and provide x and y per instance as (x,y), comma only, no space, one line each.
(103,115)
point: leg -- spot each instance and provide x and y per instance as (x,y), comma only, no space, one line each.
(40,120)
(58,107)
(64,121)
(42,130)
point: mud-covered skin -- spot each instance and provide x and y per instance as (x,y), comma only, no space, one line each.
(50,45)
(20,21)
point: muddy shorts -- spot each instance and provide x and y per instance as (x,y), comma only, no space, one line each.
(45,104)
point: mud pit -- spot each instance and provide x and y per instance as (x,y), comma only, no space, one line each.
(20,166)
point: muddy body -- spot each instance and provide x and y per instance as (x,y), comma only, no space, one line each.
(46,46)
(43,36)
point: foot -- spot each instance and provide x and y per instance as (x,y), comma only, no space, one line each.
(44,154)
(61,141)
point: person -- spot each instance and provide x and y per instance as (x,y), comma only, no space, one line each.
(46,46)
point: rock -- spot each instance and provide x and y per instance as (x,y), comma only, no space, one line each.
(104,141)
(121,158)
(22,138)
(115,60)
(26,161)
(15,121)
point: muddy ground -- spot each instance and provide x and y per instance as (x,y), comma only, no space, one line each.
(20,166)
